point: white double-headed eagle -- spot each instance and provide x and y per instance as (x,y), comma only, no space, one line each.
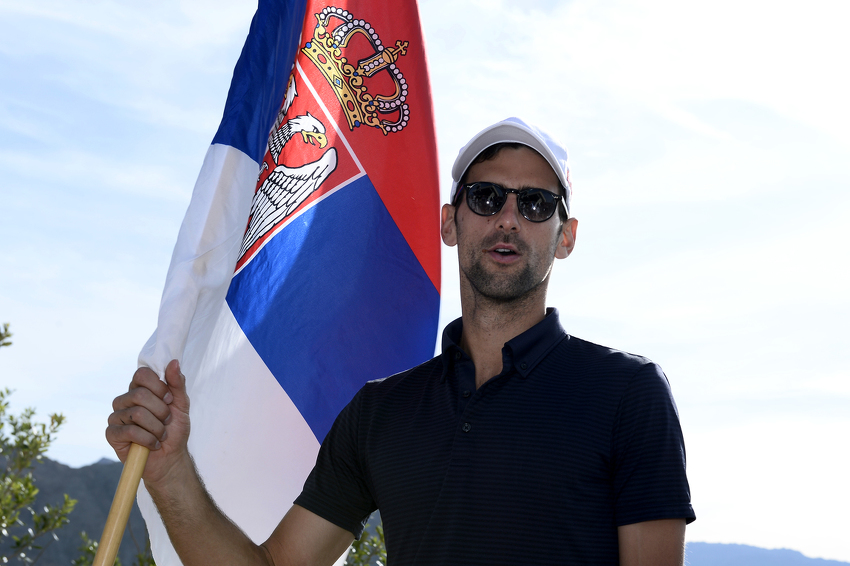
(287,187)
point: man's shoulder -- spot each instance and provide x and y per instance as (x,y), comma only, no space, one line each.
(411,378)
(605,377)
(593,363)
(586,352)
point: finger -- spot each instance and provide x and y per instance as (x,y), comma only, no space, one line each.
(120,437)
(177,385)
(147,378)
(144,398)
(138,417)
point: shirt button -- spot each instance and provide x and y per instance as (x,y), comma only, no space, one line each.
(458,355)
(523,365)
(467,393)
(466,427)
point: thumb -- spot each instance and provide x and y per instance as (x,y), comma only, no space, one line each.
(177,385)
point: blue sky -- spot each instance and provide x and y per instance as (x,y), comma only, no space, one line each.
(709,145)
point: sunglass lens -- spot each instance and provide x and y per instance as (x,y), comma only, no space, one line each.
(537,205)
(485,199)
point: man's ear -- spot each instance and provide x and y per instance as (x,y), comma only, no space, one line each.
(448,230)
(567,239)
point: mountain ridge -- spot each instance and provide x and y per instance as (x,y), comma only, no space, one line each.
(720,554)
(93,487)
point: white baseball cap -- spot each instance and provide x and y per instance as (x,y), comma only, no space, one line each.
(514,130)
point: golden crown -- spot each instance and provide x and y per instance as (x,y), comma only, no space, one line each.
(390,113)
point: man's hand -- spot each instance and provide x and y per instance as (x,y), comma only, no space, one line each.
(154,414)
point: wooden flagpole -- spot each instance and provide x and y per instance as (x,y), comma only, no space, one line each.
(122,503)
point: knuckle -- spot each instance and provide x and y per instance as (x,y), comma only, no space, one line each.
(142,372)
(138,396)
(144,377)
(136,415)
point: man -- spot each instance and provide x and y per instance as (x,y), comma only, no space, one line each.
(520,444)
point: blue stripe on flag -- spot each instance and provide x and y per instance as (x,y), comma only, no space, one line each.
(261,76)
(321,300)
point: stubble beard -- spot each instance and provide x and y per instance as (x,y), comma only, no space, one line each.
(507,287)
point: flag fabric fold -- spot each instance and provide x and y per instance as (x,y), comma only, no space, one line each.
(308,260)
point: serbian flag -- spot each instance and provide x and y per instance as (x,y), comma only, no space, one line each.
(308,261)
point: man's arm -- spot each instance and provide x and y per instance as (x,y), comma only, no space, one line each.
(653,543)
(155,414)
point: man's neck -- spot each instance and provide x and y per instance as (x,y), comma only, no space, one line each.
(488,325)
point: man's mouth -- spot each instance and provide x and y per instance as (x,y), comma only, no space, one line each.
(504,251)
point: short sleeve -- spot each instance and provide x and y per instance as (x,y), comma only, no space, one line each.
(336,488)
(648,449)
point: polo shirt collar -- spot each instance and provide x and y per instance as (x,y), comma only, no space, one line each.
(526,350)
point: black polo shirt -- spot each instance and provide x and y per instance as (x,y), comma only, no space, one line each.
(540,465)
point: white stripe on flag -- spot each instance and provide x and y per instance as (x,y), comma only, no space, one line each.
(251,446)
(203,258)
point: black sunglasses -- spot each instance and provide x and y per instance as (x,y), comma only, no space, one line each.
(486,199)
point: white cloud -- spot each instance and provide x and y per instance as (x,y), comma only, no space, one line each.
(664,52)
(142,59)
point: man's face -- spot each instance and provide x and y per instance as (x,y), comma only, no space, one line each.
(504,257)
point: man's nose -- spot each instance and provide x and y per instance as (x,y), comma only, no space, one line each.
(509,217)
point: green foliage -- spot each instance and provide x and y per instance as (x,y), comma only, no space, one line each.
(89,551)
(23,443)
(144,556)
(369,550)
(5,335)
